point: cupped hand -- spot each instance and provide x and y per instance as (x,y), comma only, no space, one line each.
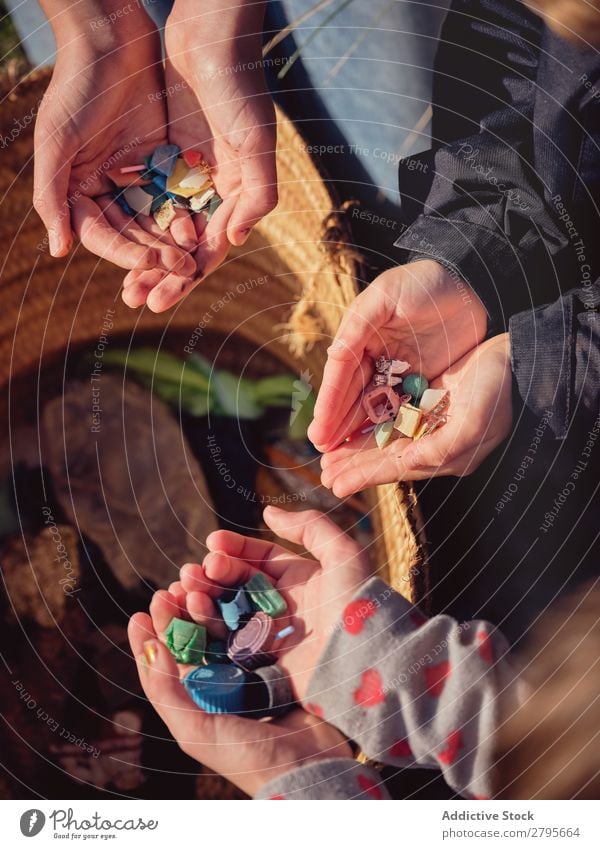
(99,114)
(316,588)
(479,418)
(219,105)
(248,752)
(420,313)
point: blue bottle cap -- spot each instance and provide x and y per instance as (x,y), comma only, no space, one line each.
(217,688)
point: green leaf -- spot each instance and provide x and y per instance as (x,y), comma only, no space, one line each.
(159,365)
(234,396)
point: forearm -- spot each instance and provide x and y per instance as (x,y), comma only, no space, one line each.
(415,692)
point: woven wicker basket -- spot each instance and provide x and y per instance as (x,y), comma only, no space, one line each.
(285,290)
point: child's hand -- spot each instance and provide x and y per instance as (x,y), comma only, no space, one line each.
(316,590)
(479,419)
(417,312)
(247,752)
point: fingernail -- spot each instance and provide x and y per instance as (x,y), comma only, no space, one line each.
(54,243)
(151,651)
(245,234)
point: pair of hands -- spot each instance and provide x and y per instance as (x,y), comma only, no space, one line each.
(317,589)
(111,101)
(428,317)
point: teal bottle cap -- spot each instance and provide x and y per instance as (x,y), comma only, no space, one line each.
(217,688)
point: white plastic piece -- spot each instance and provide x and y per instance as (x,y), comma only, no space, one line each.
(431,398)
(139,200)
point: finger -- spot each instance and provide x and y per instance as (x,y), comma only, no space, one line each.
(169,291)
(51,174)
(319,536)
(213,246)
(183,230)
(99,237)
(137,285)
(164,607)
(360,326)
(345,376)
(193,578)
(258,168)
(178,592)
(227,571)
(159,676)
(204,612)
(144,231)
(264,555)
(368,466)
(350,422)
(357,448)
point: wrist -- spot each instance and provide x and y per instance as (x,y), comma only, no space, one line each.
(223,29)
(97,28)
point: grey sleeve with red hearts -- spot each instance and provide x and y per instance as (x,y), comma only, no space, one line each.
(330,778)
(413,691)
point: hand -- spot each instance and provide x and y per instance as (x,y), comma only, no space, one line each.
(419,313)
(316,589)
(97,116)
(248,752)
(479,418)
(219,105)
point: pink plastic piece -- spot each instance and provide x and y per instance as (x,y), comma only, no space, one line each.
(381,404)
(131,169)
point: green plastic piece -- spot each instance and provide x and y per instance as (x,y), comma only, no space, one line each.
(186,641)
(382,433)
(415,384)
(265,596)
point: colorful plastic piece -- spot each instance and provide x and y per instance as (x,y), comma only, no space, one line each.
(382,433)
(415,384)
(165,214)
(233,606)
(431,399)
(138,199)
(192,158)
(381,403)
(217,688)
(250,647)
(408,420)
(163,159)
(120,199)
(265,596)
(186,641)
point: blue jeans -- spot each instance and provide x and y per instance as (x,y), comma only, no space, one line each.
(363,84)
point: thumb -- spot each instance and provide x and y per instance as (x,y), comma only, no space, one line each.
(318,535)
(51,175)
(434,452)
